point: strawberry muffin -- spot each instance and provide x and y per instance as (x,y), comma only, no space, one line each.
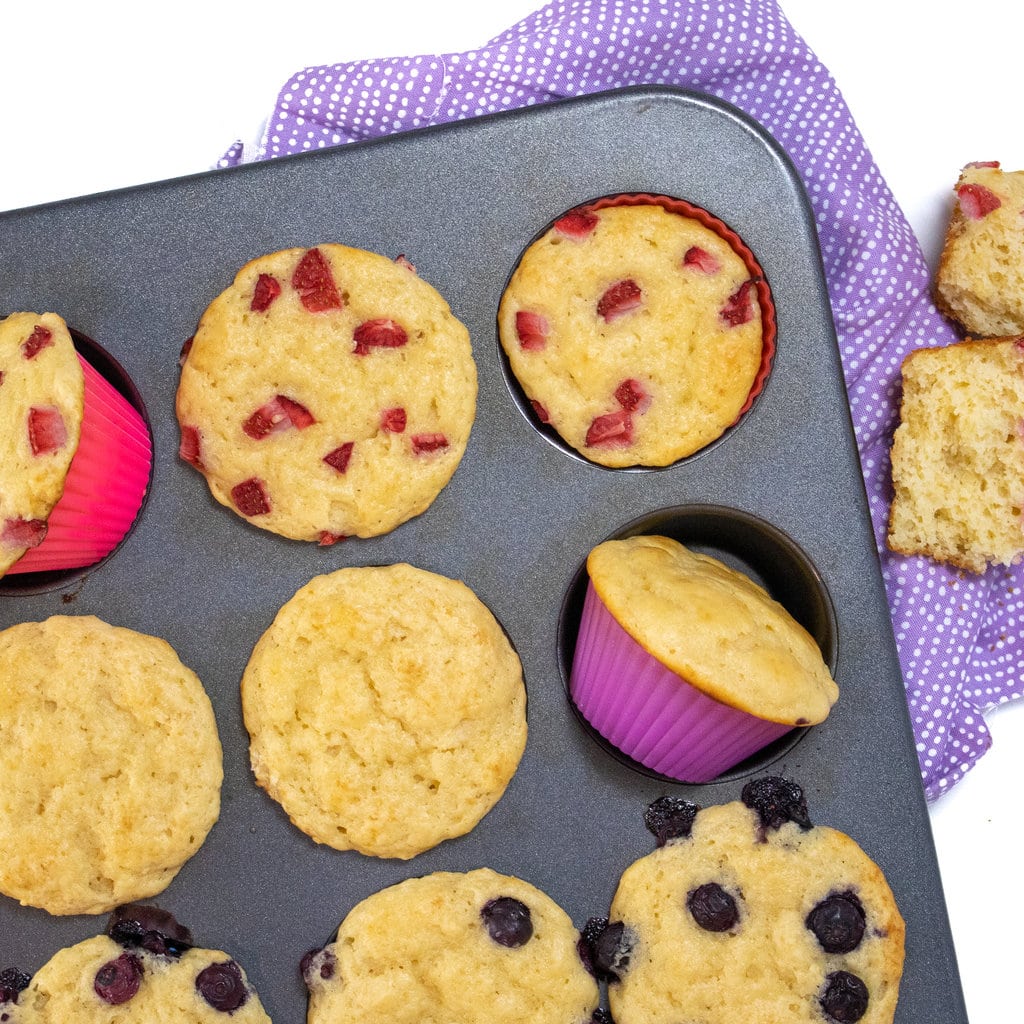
(638,330)
(328,392)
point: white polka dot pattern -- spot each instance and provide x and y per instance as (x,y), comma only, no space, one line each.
(959,637)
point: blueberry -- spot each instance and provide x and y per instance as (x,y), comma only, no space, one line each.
(838,922)
(118,980)
(157,931)
(712,907)
(221,985)
(12,983)
(605,948)
(776,801)
(670,817)
(845,997)
(318,964)
(508,921)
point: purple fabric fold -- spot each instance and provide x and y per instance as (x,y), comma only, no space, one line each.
(958,635)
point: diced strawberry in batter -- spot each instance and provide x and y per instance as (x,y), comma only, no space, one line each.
(327,538)
(267,289)
(621,298)
(40,338)
(190,448)
(739,307)
(403,261)
(278,414)
(251,498)
(424,444)
(379,333)
(314,282)
(46,430)
(23,533)
(630,394)
(613,429)
(702,260)
(532,330)
(541,412)
(185,349)
(977,201)
(576,224)
(338,458)
(1,377)
(982,163)
(392,421)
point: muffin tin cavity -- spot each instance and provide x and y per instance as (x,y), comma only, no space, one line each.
(114,374)
(662,324)
(749,545)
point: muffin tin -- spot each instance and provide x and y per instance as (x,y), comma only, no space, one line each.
(781,495)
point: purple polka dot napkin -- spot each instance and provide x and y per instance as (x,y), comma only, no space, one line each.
(958,635)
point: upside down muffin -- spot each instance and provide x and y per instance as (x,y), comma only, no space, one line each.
(635,331)
(327,392)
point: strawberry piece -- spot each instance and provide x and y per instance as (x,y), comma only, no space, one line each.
(327,538)
(314,282)
(576,224)
(190,447)
(614,429)
(532,330)
(40,338)
(278,414)
(185,349)
(1,377)
(701,259)
(621,298)
(392,421)
(379,333)
(631,396)
(739,307)
(541,412)
(403,261)
(46,430)
(424,444)
(977,201)
(267,289)
(23,533)
(250,497)
(982,163)
(338,458)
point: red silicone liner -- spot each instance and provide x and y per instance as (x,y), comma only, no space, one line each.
(105,485)
(712,223)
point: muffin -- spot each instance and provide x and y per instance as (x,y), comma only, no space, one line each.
(386,710)
(980,278)
(751,913)
(74,454)
(639,328)
(473,948)
(143,970)
(687,665)
(958,455)
(111,764)
(328,392)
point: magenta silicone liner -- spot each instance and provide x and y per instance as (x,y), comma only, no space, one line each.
(105,485)
(652,714)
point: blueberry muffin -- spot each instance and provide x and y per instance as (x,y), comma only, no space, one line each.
(635,332)
(111,764)
(474,948)
(144,970)
(41,404)
(328,392)
(386,709)
(748,912)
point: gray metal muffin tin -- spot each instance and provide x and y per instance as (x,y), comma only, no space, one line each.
(135,269)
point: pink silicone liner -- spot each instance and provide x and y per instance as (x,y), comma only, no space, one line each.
(105,485)
(649,712)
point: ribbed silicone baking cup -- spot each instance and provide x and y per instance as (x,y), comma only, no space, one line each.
(736,243)
(105,485)
(652,714)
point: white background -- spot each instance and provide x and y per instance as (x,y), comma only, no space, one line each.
(93,97)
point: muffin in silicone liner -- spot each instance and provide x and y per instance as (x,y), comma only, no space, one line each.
(77,457)
(688,666)
(636,330)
